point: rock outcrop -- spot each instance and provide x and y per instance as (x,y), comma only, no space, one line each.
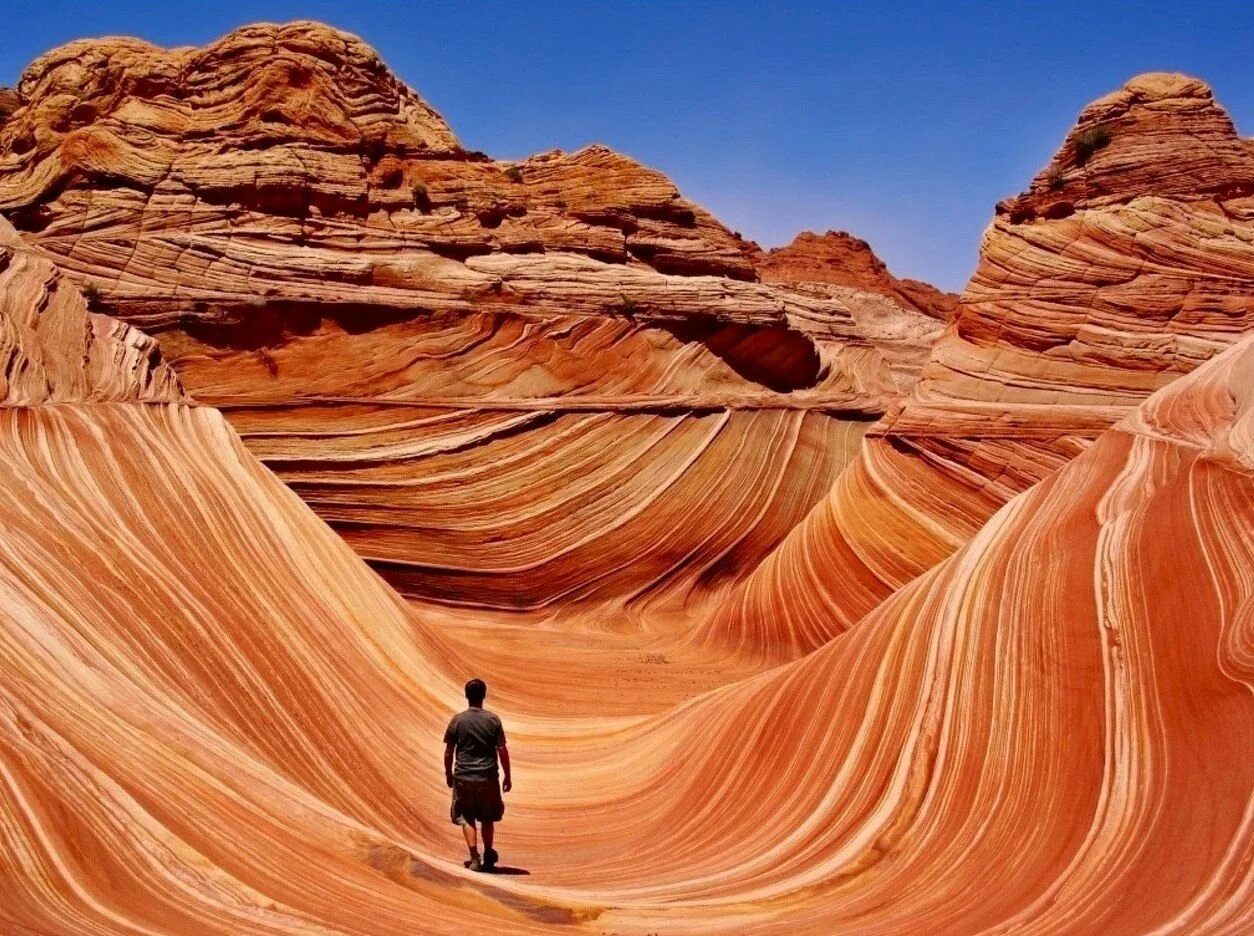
(903,319)
(214,718)
(840,259)
(1128,262)
(55,351)
(411,334)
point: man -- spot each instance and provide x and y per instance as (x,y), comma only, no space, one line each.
(477,738)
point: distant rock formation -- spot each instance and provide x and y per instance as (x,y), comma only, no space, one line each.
(841,259)
(838,266)
(1117,272)
(383,315)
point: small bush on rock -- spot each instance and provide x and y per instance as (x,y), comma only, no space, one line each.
(422,201)
(628,307)
(1089,142)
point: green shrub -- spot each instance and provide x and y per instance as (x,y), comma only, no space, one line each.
(1054,178)
(627,306)
(514,174)
(90,293)
(1088,142)
(422,201)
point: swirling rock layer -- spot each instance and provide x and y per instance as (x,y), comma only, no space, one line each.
(384,314)
(246,749)
(216,718)
(1128,262)
(53,350)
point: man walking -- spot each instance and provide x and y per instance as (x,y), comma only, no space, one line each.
(477,739)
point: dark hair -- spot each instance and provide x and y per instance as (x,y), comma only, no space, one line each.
(476,689)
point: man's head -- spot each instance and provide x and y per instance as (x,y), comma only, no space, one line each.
(476,689)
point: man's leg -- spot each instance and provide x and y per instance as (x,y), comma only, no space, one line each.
(489,829)
(472,841)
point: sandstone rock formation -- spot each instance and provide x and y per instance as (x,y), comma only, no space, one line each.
(383,315)
(1014,622)
(167,608)
(840,259)
(902,318)
(1112,276)
(54,350)
(215,719)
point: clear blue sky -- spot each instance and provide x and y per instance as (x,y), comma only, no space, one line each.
(903,123)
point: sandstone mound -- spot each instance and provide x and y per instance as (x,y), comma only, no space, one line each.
(839,259)
(542,385)
(1118,271)
(902,318)
(215,718)
(383,315)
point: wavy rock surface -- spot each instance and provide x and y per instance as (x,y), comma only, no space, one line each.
(903,318)
(176,753)
(214,718)
(1128,262)
(53,350)
(410,334)
(1067,697)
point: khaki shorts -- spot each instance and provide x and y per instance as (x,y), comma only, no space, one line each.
(476,801)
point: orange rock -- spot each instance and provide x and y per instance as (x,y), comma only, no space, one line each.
(383,314)
(841,259)
(837,266)
(55,351)
(215,719)
(1071,318)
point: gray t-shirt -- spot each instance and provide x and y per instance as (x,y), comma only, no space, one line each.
(477,733)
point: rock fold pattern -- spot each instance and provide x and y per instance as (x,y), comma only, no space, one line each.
(1112,276)
(1010,627)
(382,314)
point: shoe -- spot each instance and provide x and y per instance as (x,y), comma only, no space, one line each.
(489,859)
(474,864)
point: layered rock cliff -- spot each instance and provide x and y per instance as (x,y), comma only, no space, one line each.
(1128,262)
(54,351)
(838,266)
(411,334)
(215,719)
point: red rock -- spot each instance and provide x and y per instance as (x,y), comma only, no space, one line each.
(841,259)
(835,265)
(55,351)
(1070,320)
(382,313)
(215,719)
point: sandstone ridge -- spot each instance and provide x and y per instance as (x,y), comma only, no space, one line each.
(1071,318)
(379,311)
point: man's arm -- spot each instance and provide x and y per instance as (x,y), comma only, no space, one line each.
(503,753)
(448,762)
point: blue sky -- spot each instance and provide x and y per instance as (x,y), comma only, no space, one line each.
(901,122)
